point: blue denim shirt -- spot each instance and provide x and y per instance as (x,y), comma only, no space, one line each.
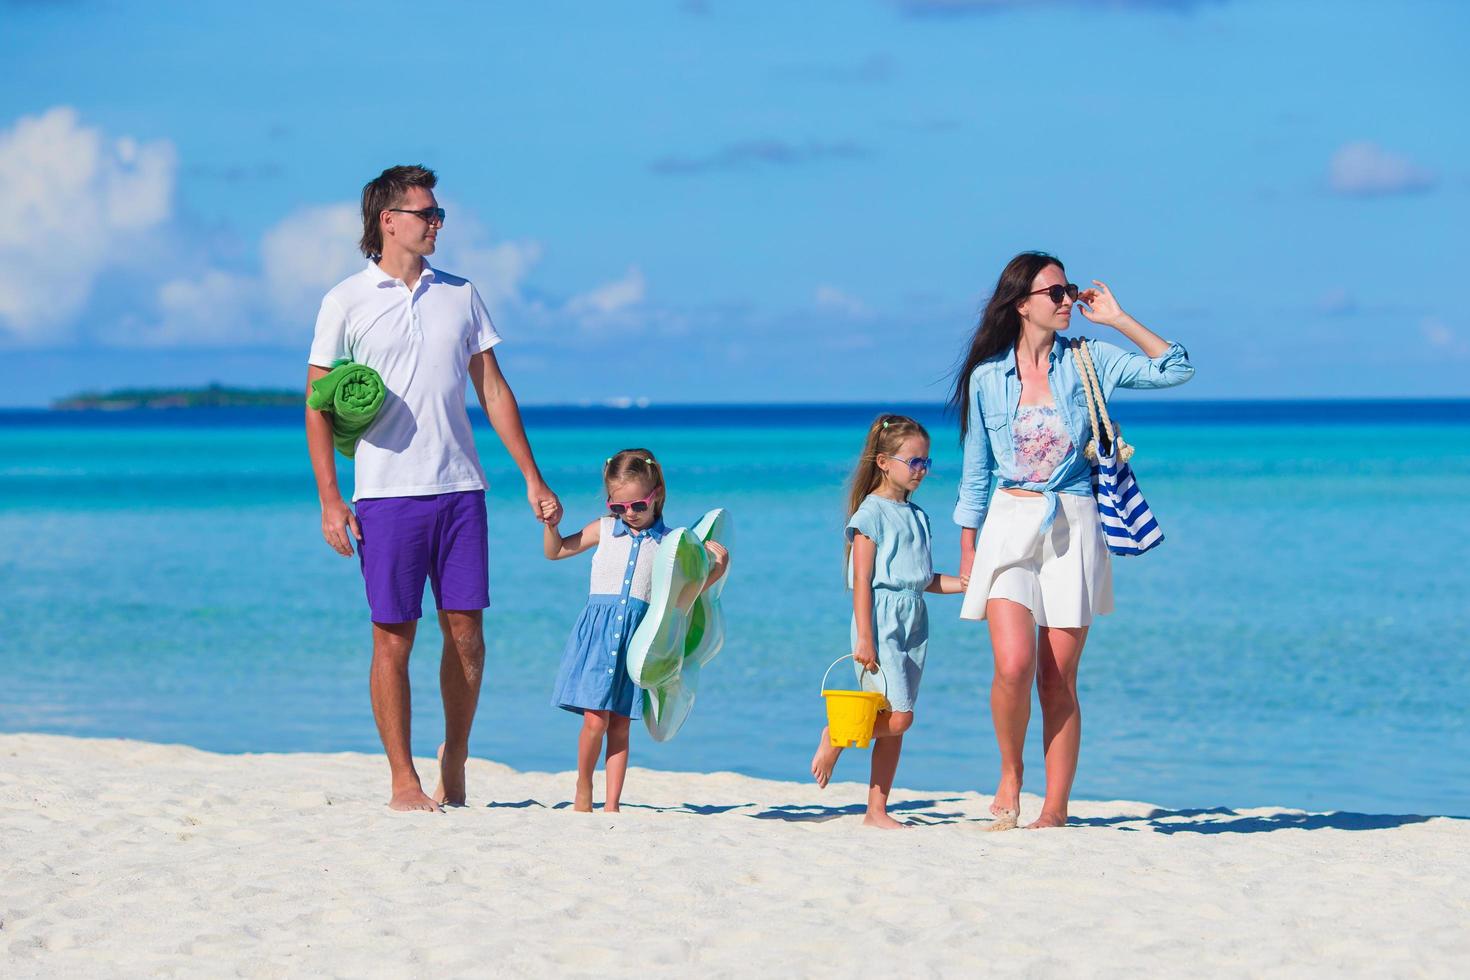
(995,394)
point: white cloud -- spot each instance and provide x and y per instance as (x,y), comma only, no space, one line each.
(1365,169)
(76,203)
(307,253)
(498,269)
(301,257)
(1442,339)
(609,299)
(834,300)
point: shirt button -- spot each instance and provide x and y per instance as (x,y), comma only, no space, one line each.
(620,618)
(622,602)
(627,581)
(617,636)
(609,670)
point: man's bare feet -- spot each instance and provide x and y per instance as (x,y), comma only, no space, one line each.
(1047,820)
(883,822)
(825,760)
(611,808)
(582,803)
(412,798)
(450,789)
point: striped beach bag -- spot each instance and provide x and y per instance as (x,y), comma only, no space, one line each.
(1128,524)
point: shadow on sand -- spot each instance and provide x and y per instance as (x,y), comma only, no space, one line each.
(1223,820)
(935,812)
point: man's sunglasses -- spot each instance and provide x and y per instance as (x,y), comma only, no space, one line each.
(429,215)
(917,464)
(1055,293)
(635,506)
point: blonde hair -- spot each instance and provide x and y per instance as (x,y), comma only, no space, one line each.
(885,436)
(636,464)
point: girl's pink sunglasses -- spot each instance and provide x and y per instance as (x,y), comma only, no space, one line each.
(636,506)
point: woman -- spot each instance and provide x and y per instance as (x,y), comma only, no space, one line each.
(1040,560)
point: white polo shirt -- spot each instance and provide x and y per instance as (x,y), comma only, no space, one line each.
(420,341)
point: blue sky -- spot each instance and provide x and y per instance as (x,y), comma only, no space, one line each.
(730,201)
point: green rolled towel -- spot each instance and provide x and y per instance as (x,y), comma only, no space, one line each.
(351,394)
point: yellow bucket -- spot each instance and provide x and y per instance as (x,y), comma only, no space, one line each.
(852,714)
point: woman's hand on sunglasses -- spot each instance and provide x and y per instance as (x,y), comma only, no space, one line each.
(1099,305)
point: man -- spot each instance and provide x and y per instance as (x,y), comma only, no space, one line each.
(419,489)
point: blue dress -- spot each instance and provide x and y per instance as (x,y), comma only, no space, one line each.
(594,668)
(902,570)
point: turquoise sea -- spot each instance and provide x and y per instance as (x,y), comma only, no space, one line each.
(1302,638)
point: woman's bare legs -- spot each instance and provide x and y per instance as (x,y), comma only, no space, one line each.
(1059,653)
(617,760)
(589,747)
(1013,645)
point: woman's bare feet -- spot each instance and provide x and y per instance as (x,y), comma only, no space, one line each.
(883,822)
(582,803)
(825,760)
(1047,820)
(611,808)
(1007,797)
(450,789)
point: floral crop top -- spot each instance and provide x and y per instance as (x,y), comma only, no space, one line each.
(1041,442)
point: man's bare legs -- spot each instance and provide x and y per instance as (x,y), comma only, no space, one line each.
(617,760)
(461,667)
(388,684)
(1013,645)
(1060,651)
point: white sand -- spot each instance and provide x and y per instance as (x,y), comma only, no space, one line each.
(128,859)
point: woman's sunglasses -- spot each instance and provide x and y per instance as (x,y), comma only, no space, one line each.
(634,506)
(917,464)
(1055,293)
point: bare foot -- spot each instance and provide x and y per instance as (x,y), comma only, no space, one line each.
(450,791)
(611,808)
(582,803)
(1007,798)
(824,760)
(412,798)
(1046,821)
(883,822)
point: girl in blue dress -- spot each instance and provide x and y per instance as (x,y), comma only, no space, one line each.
(888,570)
(593,679)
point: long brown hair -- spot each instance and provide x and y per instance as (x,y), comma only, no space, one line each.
(1000,325)
(383,192)
(636,464)
(885,435)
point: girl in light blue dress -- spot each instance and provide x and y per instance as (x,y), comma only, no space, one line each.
(593,679)
(888,570)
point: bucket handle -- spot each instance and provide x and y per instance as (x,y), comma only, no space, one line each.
(851,657)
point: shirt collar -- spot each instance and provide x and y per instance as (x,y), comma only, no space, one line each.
(381,278)
(656,530)
(1058,342)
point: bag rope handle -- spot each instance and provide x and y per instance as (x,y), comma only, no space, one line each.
(1092,387)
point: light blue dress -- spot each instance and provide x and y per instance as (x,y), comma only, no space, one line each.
(594,667)
(902,570)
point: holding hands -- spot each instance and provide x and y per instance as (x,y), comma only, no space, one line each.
(544,504)
(866,655)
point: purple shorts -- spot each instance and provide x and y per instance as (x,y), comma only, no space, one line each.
(406,539)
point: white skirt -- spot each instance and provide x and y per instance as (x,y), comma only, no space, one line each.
(1065,576)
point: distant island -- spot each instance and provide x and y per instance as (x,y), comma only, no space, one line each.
(213,396)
